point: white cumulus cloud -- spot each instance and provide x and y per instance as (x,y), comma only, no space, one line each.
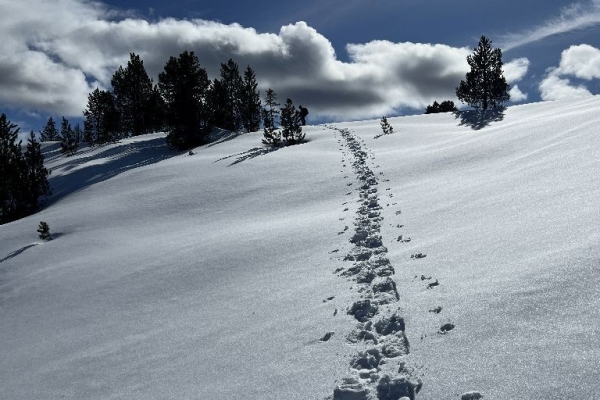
(579,61)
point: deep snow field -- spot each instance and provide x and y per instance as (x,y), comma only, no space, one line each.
(455,257)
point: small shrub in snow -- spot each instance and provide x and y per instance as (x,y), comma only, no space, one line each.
(386,127)
(44,231)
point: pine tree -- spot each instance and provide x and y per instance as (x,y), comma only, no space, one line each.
(217,104)
(36,178)
(232,84)
(101,118)
(12,172)
(485,86)
(49,133)
(270,112)
(69,142)
(155,110)
(132,89)
(44,231)
(184,86)
(386,127)
(78,135)
(250,105)
(290,123)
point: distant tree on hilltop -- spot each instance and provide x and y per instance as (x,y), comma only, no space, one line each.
(446,106)
(69,142)
(250,104)
(132,90)
(291,126)
(485,86)
(49,133)
(36,178)
(101,118)
(270,112)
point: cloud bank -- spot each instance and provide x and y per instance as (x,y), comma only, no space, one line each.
(53,54)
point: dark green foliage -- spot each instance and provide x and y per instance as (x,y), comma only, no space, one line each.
(155,111)
(386,127)
(217,103)
(230,97)
(250,104)
(23,178)
(183,85)
(290,123)
(485,86)
(69,142)
(270,112)
(36,179)
(132,90)
(44,231)
(49,133)
(101,116)
(11,167)
(446,106)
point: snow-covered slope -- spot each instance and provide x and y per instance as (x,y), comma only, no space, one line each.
(218,275)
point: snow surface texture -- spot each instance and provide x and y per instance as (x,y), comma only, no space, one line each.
(455,258)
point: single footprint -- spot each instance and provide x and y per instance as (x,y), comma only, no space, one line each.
(433,284)
(446,327)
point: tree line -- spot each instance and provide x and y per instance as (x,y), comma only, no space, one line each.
(184,102)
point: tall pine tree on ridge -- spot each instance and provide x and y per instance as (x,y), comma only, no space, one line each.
(485,86)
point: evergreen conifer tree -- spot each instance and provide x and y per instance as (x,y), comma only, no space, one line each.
(184,86)
(35,184)
(270,112)
(386,127)
(49,133)
(155,110)
(132,89)
(69,142)
(232,84)
(44,231)
(217,104)
(12,172)
(290,124)
(101,118)
(250,103)
(485,86)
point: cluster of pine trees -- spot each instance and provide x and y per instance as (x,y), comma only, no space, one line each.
(69,137)
(184,102)
(23,177)
(289,118)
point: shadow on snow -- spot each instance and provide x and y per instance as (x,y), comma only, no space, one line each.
(114,160)
(478,119)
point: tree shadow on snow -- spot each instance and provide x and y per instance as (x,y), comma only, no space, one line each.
(250,154)
(256,152)
(103,165)
(478,119)
(219,136)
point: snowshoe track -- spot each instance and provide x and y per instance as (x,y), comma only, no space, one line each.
(378,370)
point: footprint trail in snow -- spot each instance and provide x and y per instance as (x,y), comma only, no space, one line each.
(378,369)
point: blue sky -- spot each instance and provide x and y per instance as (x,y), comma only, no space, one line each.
(342,59)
